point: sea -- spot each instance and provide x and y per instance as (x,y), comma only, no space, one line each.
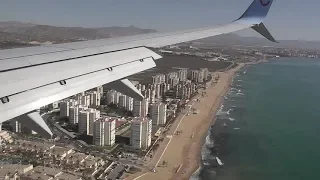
(268,127)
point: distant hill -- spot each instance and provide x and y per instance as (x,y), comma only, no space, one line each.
(21,34)
(26,32)
(234,39)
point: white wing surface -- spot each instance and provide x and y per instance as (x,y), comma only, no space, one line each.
(36,76)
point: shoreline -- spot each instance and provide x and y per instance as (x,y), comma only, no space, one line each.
(212,118)
(183,152)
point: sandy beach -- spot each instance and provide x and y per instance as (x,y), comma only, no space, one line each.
(182,151)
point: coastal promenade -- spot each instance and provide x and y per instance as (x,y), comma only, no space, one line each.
(182,151)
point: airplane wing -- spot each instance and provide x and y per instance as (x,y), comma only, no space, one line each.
(36,76)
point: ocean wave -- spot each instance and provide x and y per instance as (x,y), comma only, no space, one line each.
(241,94)
(228,112)
(220,110)
(209,142)
(231,119)
(196,174)
(206,155)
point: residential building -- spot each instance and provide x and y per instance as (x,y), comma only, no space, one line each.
(129,103)
(104,132)
(162,114)
(155,114)
(93,115)
(94,98)
(141,130)
(64,108)
(74,114)
(84,122)
(137,106)
(144,107)
(122,101)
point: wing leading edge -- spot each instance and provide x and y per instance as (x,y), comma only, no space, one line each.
(36,76)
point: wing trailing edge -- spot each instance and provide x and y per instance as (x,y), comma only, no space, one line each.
(35,122)
(124,86)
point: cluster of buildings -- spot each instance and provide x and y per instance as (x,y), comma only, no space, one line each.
(148,114)
(141,132)
(153,111)
(104,132)
(121,100)
(54,162)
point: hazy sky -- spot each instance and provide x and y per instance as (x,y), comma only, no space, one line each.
(287,19)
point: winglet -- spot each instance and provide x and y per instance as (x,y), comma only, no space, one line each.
(261,29)
(255,14)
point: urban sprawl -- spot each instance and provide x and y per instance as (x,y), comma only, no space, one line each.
(104,134)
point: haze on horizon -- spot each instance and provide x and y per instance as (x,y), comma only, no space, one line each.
(287,20)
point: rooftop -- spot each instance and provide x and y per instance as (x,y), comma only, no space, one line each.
(67,176)
(12,168)
(35,145)
(60,150)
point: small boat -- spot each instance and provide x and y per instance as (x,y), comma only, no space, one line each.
(225,125)
(219,161)
(236,128)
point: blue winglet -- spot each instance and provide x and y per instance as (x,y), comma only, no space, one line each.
(256,12)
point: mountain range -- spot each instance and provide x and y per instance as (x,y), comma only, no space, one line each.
(17,34)
(234,39)
(11,31)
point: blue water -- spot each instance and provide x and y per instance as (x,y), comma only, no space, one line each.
(275,108)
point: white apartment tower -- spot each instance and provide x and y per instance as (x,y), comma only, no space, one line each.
(158,90)
(163,114)
(74,114)
(153,96)
(155,111)
(129,103)
(159,114)
(98,133)
(110,132)
(85,100)
(93,115)
(136,108)
(104,132)
(64,108)
(122,101)
(110,96)
(83,122)
(141,130)
(95,98)
(144,107)
(100,90)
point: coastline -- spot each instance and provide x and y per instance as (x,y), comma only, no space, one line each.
(211,120)
(183,152)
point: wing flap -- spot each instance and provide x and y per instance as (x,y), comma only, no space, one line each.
(33,99)
(124,86)
(35,122)
(28,78)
